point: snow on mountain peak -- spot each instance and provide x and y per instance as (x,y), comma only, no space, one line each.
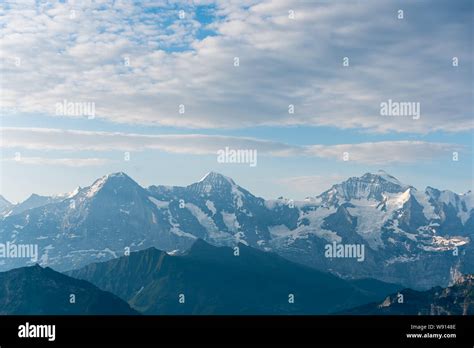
(463,203)
(117,175)
(118,179)
(213,181)
(368,186)
(221,185)
(96,186)
(380,177)
(67,195)
(387,177)
(213,177)
(74,192)
(401,199)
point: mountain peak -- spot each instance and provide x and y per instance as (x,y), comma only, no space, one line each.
(35,196)
(382,174)
(201,246)
(213,177)
(33,201)
(68,194)
(212,182)
(368,186)
(117,175)
(119,179)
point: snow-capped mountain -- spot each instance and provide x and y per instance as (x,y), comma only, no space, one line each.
(4,205)
(416,238)
(225,213)
(33,201)
(369,186)
(412,237)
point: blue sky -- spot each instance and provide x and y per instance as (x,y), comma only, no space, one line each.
(137,62)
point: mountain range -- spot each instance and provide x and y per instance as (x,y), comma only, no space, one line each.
(419,239)
(213,280)
(224,280)
(33,201)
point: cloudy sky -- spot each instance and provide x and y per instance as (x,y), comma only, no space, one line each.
(156,88)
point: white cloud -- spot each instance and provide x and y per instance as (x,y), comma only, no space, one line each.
(311,185)
(68,162)
(198,144)
(74,140)
(282,62)
(387,152)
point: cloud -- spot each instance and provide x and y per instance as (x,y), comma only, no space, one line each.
(311,185)
(387,152)
(75,140)
(282,61)
(198,144)
(68,162)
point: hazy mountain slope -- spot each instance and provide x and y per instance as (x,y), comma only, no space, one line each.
(35,290)
(457,299)
(215,281)
(5,205)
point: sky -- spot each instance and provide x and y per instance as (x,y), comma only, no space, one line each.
(157,88)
